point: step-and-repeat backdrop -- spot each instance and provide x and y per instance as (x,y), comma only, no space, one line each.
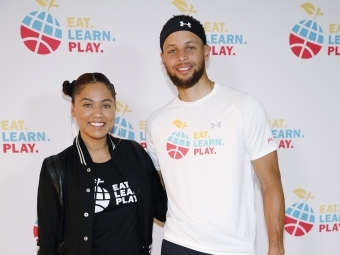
(285,53)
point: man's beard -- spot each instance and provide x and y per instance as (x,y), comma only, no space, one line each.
(191,81)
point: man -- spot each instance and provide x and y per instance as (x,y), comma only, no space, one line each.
(206,142)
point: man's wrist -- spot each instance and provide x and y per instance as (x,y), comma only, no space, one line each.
(276,250)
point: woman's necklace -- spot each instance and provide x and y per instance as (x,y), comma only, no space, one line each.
(114,145)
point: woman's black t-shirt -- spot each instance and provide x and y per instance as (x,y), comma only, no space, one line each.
(116,227)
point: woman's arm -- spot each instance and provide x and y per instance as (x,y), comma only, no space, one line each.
(49,212)
(159,197)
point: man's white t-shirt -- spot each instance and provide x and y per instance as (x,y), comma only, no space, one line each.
(204,150)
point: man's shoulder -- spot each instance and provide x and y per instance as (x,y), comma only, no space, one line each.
(161,110)
(235,97)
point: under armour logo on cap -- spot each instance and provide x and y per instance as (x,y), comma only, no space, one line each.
(182,24)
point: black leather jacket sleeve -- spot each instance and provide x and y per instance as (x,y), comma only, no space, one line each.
(49,211)
(159,196)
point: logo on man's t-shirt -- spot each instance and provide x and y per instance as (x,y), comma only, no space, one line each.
(203,141)
(178,142)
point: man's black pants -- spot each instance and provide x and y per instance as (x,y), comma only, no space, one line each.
(169,248)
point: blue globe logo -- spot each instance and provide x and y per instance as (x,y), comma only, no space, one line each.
(300,219)
(40,32)
(178,142)
(178,145)
(123,129)
(306,37)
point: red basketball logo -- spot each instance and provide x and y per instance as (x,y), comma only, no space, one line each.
(40,32)
(35,230)
(306,37)
(300,217)
(178,142)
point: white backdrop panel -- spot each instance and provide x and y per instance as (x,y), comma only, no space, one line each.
(253,45)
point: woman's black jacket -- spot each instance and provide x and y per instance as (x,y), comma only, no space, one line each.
(65,227)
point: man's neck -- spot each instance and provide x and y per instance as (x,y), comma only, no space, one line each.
(202,88)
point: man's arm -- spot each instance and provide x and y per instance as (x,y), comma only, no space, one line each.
(267,170)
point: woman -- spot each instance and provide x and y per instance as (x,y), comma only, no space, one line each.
(108,192)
